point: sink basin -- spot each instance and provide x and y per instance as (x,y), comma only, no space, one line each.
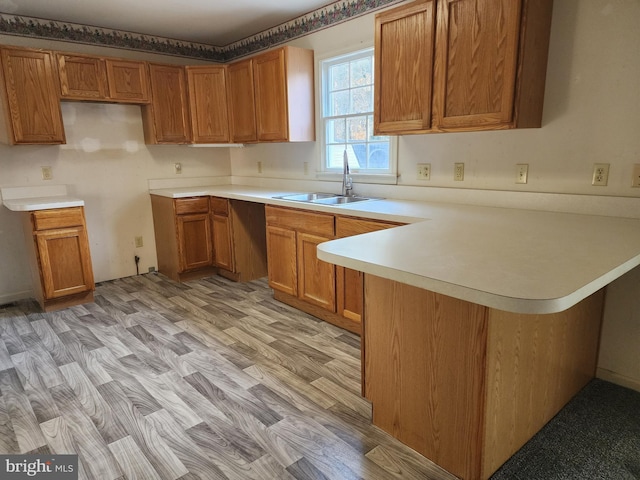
(307,197)
(339,200)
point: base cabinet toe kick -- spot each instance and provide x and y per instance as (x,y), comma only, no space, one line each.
(467,385)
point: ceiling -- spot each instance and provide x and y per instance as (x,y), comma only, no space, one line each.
(210,22)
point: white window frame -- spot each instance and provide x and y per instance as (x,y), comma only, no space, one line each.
(359,175)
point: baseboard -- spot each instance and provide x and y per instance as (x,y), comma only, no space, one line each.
(14,297)
(618,379)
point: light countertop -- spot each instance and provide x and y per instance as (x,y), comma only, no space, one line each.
(521,261)
(27,199)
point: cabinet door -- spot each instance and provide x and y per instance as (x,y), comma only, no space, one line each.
(316,279)
(166,120)
(281,259)
(242,102)
(476,57)
(65,262)
(350,283)
(271,96)
(208,102)
(31,97)
(194,241)
(222,246)
(404,45)
(82,78)
(128,81)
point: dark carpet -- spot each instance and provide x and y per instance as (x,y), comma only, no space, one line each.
(596,436)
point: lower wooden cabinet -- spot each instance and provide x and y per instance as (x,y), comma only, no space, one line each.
(60,257)
(201,236)
(222,234)
(316,279)
(350,283)
(299,278)
(194,241)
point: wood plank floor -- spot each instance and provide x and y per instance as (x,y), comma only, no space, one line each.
(207,379)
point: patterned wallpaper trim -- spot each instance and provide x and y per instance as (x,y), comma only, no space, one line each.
(327,16)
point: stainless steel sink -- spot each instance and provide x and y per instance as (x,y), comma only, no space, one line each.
(324,198)
(339,200)
(307,197)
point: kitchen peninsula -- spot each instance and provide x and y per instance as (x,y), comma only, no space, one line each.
(481,322)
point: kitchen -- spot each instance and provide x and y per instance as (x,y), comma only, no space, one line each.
(590,76)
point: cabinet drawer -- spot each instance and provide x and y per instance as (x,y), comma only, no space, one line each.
(192,205)
(220,206)
(301,220)
(349,226)
(57,218)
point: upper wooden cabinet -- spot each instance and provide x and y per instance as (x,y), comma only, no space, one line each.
(85,77)
(241,99)
(127,81)
(404,68)
(271,97)
(477,64)
(166,119)
(29,98)
(208,104)
(82,77)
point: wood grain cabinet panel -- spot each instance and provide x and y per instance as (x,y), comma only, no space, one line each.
(476,64)
(166,119)
(404,44)
(350,283)
(87,77)
(223,252)
(467,385)
(208,104)
(316,279)
(241,101)
(128,81)
(194,241)
(271,97)
(60,257)
(29,98)
(82,77)
(282,259)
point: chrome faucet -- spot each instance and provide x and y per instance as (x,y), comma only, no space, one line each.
(347,181)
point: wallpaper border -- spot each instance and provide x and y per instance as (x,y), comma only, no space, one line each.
(324,17)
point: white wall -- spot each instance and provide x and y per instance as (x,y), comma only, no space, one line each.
(591,115)
(106,163)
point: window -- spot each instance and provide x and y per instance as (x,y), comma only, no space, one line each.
(347,117)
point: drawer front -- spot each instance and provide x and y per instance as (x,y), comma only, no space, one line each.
(192,205)
(301,220)
(349,226)
(57,218)
(220,206)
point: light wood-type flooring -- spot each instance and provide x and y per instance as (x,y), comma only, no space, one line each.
(207,379)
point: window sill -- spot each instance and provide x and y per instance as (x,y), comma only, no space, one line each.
(377,178)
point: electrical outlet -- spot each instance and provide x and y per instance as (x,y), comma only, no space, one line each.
(139,242)
(259,167)
(424,171)
(178,168)
(458,172)
(600,174)
(47,173)
(522,172)
(635,176)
